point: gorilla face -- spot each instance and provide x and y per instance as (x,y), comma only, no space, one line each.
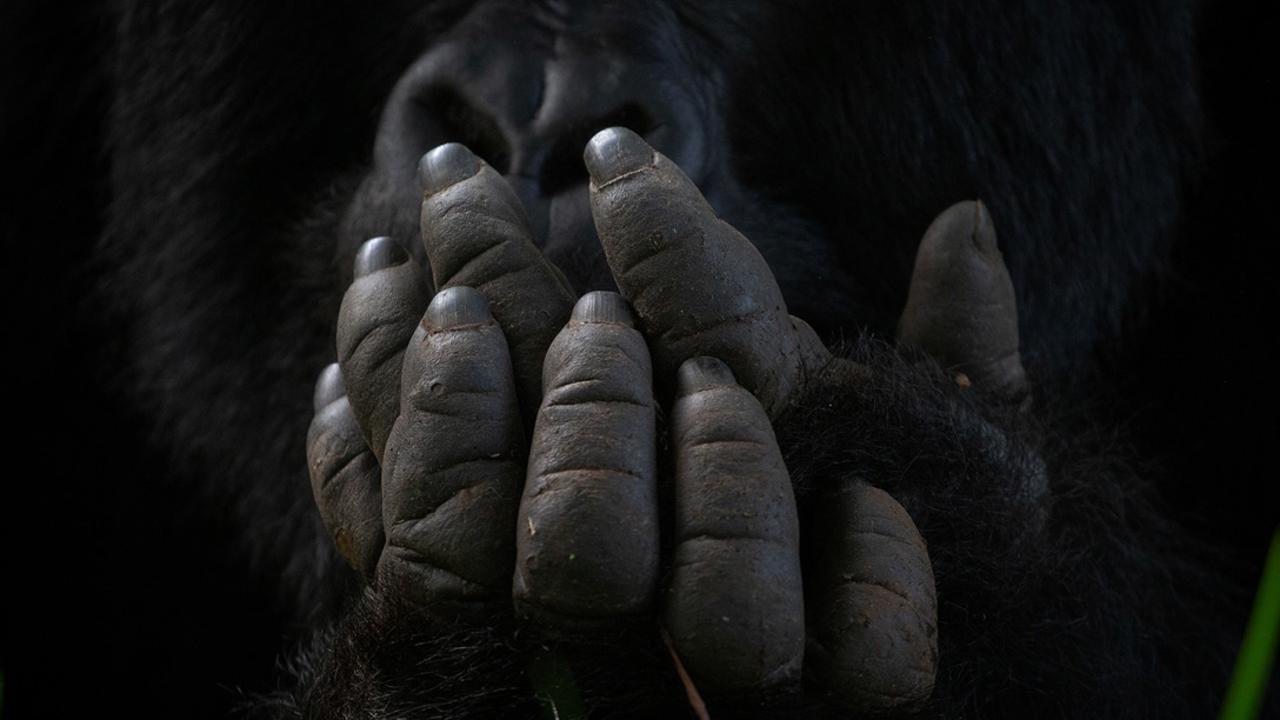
(524,86)
(256,154)
(833,173)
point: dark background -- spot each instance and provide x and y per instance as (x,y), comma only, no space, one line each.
(117,589)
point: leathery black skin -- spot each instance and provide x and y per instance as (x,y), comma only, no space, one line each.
(586,532)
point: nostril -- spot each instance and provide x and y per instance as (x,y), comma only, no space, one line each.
(563,168)
(460,121)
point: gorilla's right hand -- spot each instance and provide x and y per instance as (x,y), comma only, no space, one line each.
(498,443)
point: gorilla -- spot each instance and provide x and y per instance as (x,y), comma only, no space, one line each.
(567,359)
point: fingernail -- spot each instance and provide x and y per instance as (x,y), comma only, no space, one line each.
(614,152)
(702,373)
(968,225)
(456,306)
(603,307)
(329,387)
(984,232)
(378,254)
(446,165)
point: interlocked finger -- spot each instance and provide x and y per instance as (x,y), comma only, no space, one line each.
(697,284)
(735,605)
(454,462)
(476,234)
(872,609)
(587,537)
(344,475)
(379,313)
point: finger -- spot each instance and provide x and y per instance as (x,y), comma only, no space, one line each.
(697,284)
(873,612)
(961,307)
(735,606)
(587,536)
(344,476)
(454,462)
(476,234)
(379,313)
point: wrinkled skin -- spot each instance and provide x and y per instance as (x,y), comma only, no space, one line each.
(435,518)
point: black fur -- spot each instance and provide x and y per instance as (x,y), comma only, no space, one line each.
(184,169)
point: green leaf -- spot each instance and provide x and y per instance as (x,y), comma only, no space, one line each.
(1257,653)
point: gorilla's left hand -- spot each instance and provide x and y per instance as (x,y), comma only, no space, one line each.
(419,449)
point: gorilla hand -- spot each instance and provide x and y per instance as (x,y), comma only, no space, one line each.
(449,430)
(701,288)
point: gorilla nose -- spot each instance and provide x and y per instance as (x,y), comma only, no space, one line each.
(531,121)
(540,155)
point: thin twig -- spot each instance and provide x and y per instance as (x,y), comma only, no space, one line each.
(691,690)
